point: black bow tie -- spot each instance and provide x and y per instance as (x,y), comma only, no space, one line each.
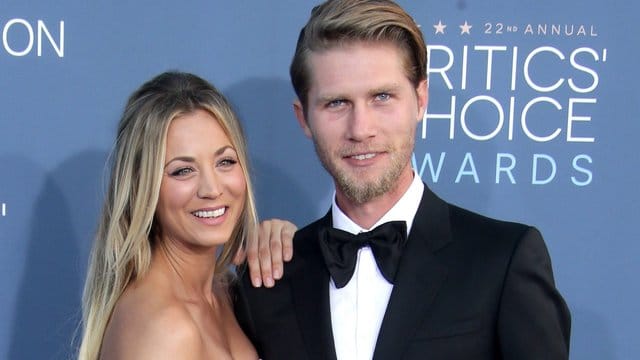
(340,250)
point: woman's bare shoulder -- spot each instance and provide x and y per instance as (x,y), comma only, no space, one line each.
(151,327)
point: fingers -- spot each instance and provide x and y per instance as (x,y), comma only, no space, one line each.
(288,230)
(264,252)
(268,247)
(252,258)
(280,245)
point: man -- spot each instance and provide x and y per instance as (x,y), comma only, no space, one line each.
(460,286)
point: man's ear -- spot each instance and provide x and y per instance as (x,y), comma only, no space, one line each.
(423,98)
(302,120)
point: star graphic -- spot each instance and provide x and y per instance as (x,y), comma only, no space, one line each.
(439,27)
(465,29)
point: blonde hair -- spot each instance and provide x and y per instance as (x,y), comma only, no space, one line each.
(127,228)
(342,22)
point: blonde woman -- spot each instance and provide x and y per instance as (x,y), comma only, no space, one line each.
(178,208)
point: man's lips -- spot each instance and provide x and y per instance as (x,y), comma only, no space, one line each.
(363,156)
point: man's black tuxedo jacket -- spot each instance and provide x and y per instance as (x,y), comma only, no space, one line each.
(467,287)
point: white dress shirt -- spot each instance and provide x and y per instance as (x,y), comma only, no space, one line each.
(358,308)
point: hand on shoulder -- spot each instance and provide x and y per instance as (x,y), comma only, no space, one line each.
(268,247)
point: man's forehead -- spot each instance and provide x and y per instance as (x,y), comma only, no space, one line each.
(372,65)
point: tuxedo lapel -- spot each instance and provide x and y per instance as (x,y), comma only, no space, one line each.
(418,280)
(311,297)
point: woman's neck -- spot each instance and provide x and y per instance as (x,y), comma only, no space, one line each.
(190,271)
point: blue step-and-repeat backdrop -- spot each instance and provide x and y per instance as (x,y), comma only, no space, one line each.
(533,117)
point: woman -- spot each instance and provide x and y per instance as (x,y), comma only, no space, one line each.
(178,208)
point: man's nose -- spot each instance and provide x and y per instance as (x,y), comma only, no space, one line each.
(361,123)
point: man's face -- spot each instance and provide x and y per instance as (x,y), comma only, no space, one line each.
(361,114)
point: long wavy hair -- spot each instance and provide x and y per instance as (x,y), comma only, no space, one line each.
(127,228)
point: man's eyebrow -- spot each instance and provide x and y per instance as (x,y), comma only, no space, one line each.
(330,97)
(384,89)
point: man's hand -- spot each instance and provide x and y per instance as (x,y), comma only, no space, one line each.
(267,248)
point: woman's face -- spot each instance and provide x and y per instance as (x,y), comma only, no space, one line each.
(203,188)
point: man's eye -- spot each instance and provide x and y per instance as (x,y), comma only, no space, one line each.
(336,103)
(383,97)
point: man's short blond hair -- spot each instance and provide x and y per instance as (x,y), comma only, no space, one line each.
(342,22)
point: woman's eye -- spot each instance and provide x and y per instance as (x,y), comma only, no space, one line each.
(182,172)
(227,162)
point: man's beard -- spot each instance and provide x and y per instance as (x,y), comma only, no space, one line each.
(357,190)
